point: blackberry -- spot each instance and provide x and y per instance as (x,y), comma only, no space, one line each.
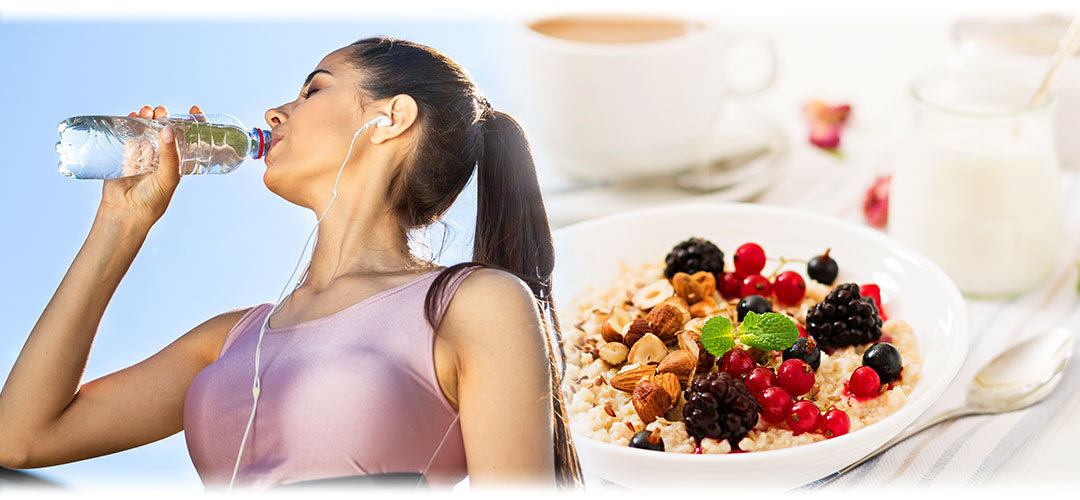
(844,318)
(693,255)
(719,406)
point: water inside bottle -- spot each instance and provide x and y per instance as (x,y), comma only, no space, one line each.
(101,147)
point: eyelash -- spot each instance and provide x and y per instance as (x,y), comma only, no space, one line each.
(309,92)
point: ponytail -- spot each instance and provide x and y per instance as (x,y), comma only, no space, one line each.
(512,234)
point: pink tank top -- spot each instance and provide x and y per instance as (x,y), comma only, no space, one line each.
(347,394)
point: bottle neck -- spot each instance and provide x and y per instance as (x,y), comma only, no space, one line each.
(260,142)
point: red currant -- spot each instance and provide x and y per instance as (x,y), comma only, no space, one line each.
(789,288)
(736,363)
(775,404)
(755,284)
(759,379)
(804,417)
(749,259)
(729,286)
(802,331)
(864,382)
(796,377)
(835,423)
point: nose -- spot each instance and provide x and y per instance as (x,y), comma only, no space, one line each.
(274,116)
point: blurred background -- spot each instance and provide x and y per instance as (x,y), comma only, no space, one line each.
(227,242)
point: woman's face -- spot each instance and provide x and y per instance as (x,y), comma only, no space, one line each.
(312,133)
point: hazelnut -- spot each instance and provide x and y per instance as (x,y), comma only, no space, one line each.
(704,308)
(687,340)
(635,330)
(681,363)
(613,352)
(615,325)
(666,320)
(652,294)
(707,282)
(685,286)
(650,400)
(650,349)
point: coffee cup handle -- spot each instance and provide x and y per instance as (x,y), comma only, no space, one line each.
(729,59)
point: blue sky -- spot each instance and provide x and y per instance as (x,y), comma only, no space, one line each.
(225,241)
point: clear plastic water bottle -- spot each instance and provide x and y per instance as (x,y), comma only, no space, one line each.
(107,147)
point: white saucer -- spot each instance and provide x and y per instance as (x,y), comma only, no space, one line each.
(747,161)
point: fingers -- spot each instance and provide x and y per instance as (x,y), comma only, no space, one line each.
(152,113)
(195,110)
(169,158)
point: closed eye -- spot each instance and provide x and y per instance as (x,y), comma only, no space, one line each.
(309,92)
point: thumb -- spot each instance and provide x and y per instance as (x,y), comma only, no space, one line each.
(168,158)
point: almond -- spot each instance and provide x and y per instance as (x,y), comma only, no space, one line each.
(681,364)
(685,286)
(652,294)
(650,400)
(635,330)
(650,349)
(613,352)
(669,382)
(627,379)
(666,320)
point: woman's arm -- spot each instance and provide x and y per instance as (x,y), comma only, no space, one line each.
(504,380)
(46,418)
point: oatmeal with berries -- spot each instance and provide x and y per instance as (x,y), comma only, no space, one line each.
(695,355)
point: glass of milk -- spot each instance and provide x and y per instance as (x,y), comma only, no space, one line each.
(979,189)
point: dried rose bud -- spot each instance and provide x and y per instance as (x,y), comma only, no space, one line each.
(876,202)
(824,135)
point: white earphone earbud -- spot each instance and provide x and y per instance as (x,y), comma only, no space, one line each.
(383,121)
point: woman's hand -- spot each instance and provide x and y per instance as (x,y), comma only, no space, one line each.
(144,197)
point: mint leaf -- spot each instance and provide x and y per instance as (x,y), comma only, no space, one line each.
(749,322)
(716,335)
(774,332)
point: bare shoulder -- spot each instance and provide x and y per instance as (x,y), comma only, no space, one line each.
(488,303)
(210,335)
(486,283)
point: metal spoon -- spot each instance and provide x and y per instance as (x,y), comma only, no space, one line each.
(1021,376)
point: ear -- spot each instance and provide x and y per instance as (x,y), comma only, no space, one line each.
(402,111)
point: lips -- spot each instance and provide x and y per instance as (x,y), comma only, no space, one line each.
(274,138)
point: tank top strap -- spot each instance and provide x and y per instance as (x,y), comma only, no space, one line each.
(442,300)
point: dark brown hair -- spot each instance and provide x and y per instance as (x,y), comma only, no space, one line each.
(460,131)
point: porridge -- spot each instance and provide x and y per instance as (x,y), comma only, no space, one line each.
(694,354)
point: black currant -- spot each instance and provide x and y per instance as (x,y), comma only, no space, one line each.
(756,303)
(805,349)
(884,358)
(641,440)
(822,269)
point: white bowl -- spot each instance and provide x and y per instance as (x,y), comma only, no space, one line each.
(912,288)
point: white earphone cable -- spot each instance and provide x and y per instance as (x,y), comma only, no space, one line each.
(256,387)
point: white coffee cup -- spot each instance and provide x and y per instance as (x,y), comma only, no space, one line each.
(613,96)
